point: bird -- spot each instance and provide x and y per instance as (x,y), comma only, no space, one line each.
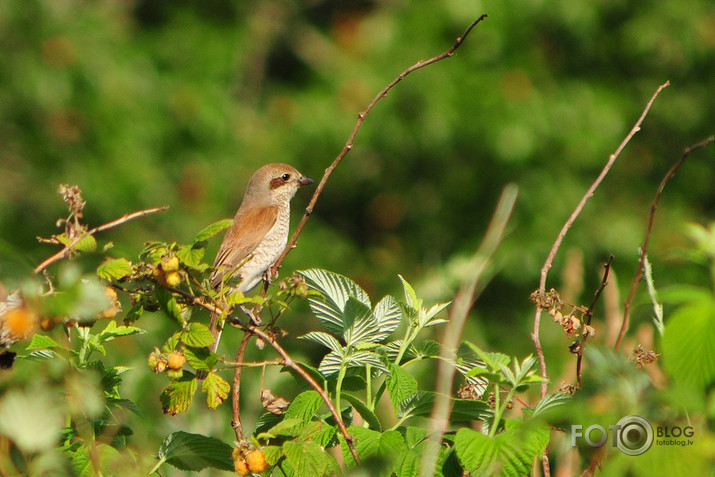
(259,233)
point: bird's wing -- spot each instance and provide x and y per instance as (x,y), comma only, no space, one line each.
(250,227)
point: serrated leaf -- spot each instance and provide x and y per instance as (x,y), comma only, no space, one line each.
(465,410)
(197,335)
(194,452)
(366,442)
(325,339)
(212,230)
(689,343)
(201,359)
(550,401)
(176,398)
(191,256)
(418,404)
(308,459)
(362,409)
(87,244)
(42,342)
(304,405)
(392,444)
(360,325)
(400,386)
(387,315)
(290,427)
(330,364)
(508,454)
(216,389)
(335,290)
(410,296)
(494,361)
(114,268)
(112,331)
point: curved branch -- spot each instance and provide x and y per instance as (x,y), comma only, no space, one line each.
(358,124)
(644,247)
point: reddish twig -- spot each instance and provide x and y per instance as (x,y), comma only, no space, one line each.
(554,249)
(114,223)
(589,315)
(236,405)
(351,139)
(644,247)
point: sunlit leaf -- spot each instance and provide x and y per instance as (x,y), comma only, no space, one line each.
(216,389)
(177,398)
(114,268)
(304,405)
(212,230)
(194,452)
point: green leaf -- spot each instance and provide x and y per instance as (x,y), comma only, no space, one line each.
(400,386)
(392,444)
(388,316)
(326,339)
(360,324)
(550,401)
(362,409)
(464,410)
(176,398)
(197,335)
(194,452)
(330,364)
(494,361)
(191,256)
(112,331)
(335,290)
(508,454)
(201,359)
(304,406)
(308,458)
(216,389)
(290,427)
(689,343)
(410,296)
(212,230)
(366,442)
(114,268)
(42,342)
(87,244)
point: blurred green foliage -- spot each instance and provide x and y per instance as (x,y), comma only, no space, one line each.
(145,103)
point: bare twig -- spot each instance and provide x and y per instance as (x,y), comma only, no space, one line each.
(589,315)
(358,124)
(463,301)
(555,248)
(114,223)
(236,405)
(644,247)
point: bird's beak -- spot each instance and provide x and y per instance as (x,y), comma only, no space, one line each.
(305,180)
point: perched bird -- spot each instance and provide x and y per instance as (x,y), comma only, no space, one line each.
(259,232)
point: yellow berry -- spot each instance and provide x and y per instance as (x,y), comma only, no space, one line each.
(173,279)
(115,306)
(176,360)
(19,324)
(256,461)
(171,264)
(241,467)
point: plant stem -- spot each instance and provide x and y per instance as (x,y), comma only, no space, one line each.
(339,386)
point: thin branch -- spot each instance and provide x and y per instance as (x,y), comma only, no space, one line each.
(309,379)
(555,248)
(358,124)
(644,247)
(236,405)
(463,302)
(114,223)
(589,315)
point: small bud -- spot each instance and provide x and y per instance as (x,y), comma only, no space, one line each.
(589,330)
(174,374)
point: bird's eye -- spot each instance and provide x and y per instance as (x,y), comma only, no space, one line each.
(285,176)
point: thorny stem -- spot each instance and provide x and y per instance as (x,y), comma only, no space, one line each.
(555,248)
(644,247)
